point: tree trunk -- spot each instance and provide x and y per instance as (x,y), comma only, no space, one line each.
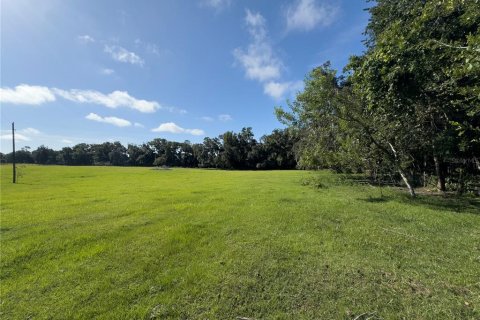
(461,183)
(440,174)
(477,162)
(405,180)
(425,171)
(402,173)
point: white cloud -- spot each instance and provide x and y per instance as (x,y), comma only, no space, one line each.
(173,128)
(18,136)
(123,55)
(112,100)
(36,95)
(85,39)
(26,94)
(67,141)
(305,15)
(31,131)
(208,119)
(259,61)
(107,71)
(110,120)
(256,24)
(225,117)
(278,90)
(138,125)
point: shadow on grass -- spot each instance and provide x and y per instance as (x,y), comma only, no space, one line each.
(439,202)
(380,199)
(434,201)
(460,204)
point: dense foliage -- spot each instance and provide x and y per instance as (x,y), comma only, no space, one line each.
(409,107)
(229,151)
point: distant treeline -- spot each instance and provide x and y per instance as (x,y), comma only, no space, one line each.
(229,151)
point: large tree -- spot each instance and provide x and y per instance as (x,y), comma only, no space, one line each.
(411,99)
(422,70)
(338,130)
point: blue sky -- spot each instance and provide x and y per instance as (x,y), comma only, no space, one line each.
(94,71)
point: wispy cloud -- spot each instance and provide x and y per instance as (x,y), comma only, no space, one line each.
(208,119)
(258,60)
(25,94)
(225,117)
(18,136)
(278,90)
(216,4)
(152,48)
(85,39)
(30,131)
(149,47)
(138,125)
(173,128)
(121,54)
(26,134)
(110,120)
(305,15)
(112,100)
(107,71)
(175,110)
(35,137)
(220,117)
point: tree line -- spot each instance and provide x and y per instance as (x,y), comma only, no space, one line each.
(228,151)
(408,108)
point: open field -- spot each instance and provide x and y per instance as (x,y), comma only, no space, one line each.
(137,243)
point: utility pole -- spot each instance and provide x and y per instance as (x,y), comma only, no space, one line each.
(13,154)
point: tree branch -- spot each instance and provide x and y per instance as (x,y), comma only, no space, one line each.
(455,47)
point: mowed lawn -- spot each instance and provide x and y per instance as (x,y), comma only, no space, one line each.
(138,243)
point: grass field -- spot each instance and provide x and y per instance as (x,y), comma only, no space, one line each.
(137,243)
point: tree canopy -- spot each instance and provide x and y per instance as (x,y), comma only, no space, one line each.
(410,105)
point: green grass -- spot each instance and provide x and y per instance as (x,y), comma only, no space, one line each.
(137,243)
